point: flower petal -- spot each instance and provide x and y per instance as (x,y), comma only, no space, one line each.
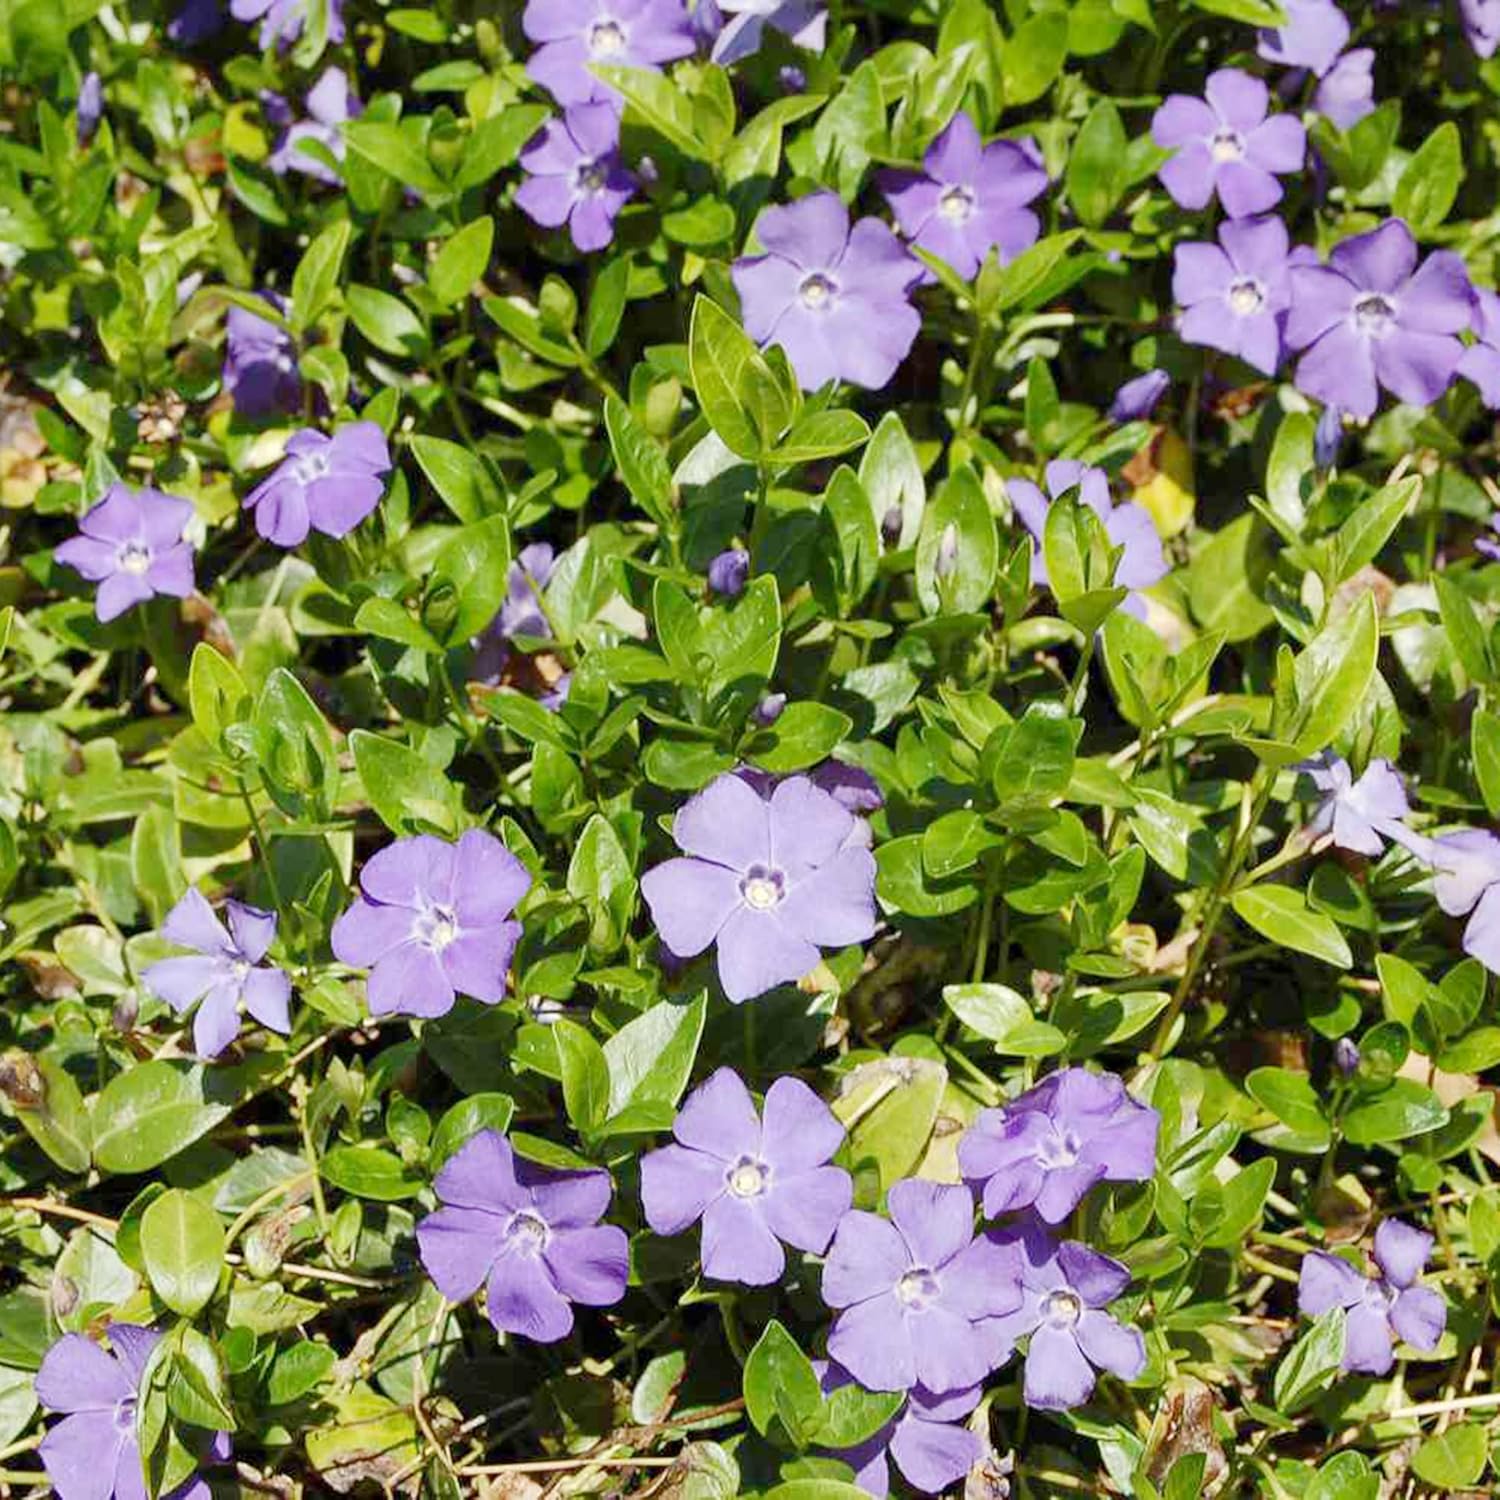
(458,1246)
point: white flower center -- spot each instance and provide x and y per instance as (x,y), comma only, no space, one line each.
(436,928)
(917,1287)
(311,466)
(1062,1309)
(1246,296)
(1060,1149)
(591,176)
(748,1178)
(1226,144)
(133,557)
(240,968)
(817,290)
(1374,314)
(957,204)
(527,1233)
(762,888)
(125,1413)
(606,38)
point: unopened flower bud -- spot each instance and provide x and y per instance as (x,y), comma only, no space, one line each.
(891,524)
(1327,437)
(792,79)
(729,572)
(1345,1056)
(768,710)
(947,552)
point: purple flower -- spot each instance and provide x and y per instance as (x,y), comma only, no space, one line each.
(1129,525)
(1375,1307)
(835,299)
(1481,360)
(1346,1056)
(1314,35)
(804,22)
(1466,882)
(755,1186)
(729,572)
(433,921)
(327,484)
(227,975)
(1370,318)
(1136,399)
(1045,1149)
(92,1453)
(529,1235)
(260,363)
(330,103)
(927,1439)
(281,21)
(1234,292)
(919,1294)
(521,614)
(1227,145)
(90,107)
(131,545)
(1361,814)
(1347,94)
(769,709)
(1064,1291)
(621,33)
(969,199)
(1327,436)
(849,786)
(196,22)
(576,177)
(769,880)
(1481,23)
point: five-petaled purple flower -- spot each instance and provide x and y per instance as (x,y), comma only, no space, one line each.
(1234,292)
(432,921)
(1064,1291)
(281,21)
(227,975)
(804,22)
(330,104)
(755,1185)
(836,299)
(1346,94)
(131,544)
(919,1294)
(327,484)
(1466,882)
(576,176)
(1047,1147)
(1225,144)
(530,1235)
(1127,525)
(1481,360)
(1377,1306)
(1312,38)
(92,1454)
(1372,318)
(1361,814)
(926,1439)
(620,33)
(770,880)
(729,572)
(1136,399)
(969,199)
(260,362)
(521,614)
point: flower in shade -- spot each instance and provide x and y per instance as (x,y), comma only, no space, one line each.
(835,298)
(260,362)
(1313,36)
(1045,1149)
(520,614)
(1128,526)
(325,483)
(90,107)
(1371,319)
(1234,292)
(769,709)
(92,1454)
(1361,814)
(926,1439)
(1481,23)
(1346,1056)
(226,974)
(530,1235)
(969,199)
(1376,1306)
(1064,1291)
(330,104)
(131,544)
(622,33)
(196,22)
(756,1185)
(281,21)
(729,572)
(1347,93)
(1466,882)
(1225,144)
(576,176)
(1481,360)
(803,22)
(850,786)
(918,1294)
(1136,399)
(770,880)
(433,921)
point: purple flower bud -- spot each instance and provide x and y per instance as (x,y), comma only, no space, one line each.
(729,572)
(90,107)
(1137,398)
(947,552)
(891,524)
(1327,437)
(1345,1056)
(792,78)
(768,710)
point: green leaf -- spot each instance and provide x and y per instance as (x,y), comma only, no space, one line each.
(642,464)
(1292,1099)
(1032,760)
(1466,634)
(1034,57)
(1453,1460)
(600,875)
(821,434)
(398,152)
(469,574)
(1429,183)
(1334,673)
(460,477)
(739,394)
(1283,916)
(1241,1201)
(462,261)
(891,474)
(386,321)
(409,794)
(1095,176)
(804,735)
(1370,525)
(57,1119)
(957,524)
(651,1057)
(606,309)
(370,1172)
(1312,1365)
(149,1113)
(316,279)
(585,1075)
(1402,1109)
(464,1120)
(182,1244)
(780,1382)
(294,748)
(851,1414)
(1484,742)
(660,103)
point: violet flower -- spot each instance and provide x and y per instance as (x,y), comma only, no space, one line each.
(1481,360)
(1361,814)
(92,1454)
(1376,1307)
(325,483)
(521,614)
(433,921)
(1347,94)
(1327,437)
(926,1439)
(803,22)
(1313,36)
(768,710)
(969,199)
(1127,525)
(1481,23)
(1047,1147)
(1466,882)
(729,572)
(918,1294)
(1064,1291)
(227,975)
(90,107)
(1137,398)
(851,787)
(1371,318)
(576,176)
(530,1235)
(131,544)
(622,33)
(1346,1056)
(1234,292)
(755,1186)
(282,21)
(770,881)
(1226,145)
(836,299)
(330,104)
(260,363)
